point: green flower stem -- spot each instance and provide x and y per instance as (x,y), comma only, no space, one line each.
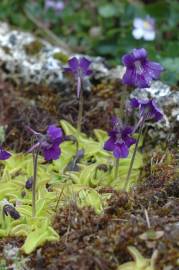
(116,168)
(124,93)
(80,112)
(4,225)
(34,183)
(133,158)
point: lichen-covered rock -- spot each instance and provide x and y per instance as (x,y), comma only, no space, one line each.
(168,100)
(26,59)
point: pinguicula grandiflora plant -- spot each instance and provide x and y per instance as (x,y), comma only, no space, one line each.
(79,68)
(119,142)
(140,72)
(48,145)
(148,110)
(84,166)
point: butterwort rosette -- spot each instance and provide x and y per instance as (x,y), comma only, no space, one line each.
(79,68)
(4,154)
(49,143)
(148,109)
(120,139)
(140,72)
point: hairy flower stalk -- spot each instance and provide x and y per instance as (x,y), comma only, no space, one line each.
(133,158)
(34,183)
(148,110)
(79,68)
(80,112)
(48,144)
(116,168)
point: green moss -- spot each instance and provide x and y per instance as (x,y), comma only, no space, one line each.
(6,49)
(61,57)
(33,48)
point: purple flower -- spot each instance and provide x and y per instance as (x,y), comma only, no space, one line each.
(49,143)
(55,5)
(79,68)
(9,209)
(148,109)
(120,139)
(139,70)
(4,154)
(29,183)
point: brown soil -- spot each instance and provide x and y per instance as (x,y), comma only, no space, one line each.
(39,106)
(89,241)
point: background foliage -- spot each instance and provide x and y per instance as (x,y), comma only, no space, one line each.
(104,27)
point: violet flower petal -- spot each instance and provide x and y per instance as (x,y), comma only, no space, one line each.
(139,54)
(109,145)
(78,86)
(121,151)
(52,153)
(54,134)
(84,65)
(128,60)
(139,70)
(154,69)
(134,103)
(4,154)
(73,64)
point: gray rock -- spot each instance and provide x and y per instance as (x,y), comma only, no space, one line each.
(168,101)
(20,62)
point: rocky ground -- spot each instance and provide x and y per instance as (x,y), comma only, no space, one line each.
(147,217)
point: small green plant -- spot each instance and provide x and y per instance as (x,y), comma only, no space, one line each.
(140,263)
(82,184)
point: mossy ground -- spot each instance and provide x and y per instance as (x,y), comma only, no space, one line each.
(89,241)
(38,106)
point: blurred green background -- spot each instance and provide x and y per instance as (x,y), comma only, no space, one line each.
(103,27)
